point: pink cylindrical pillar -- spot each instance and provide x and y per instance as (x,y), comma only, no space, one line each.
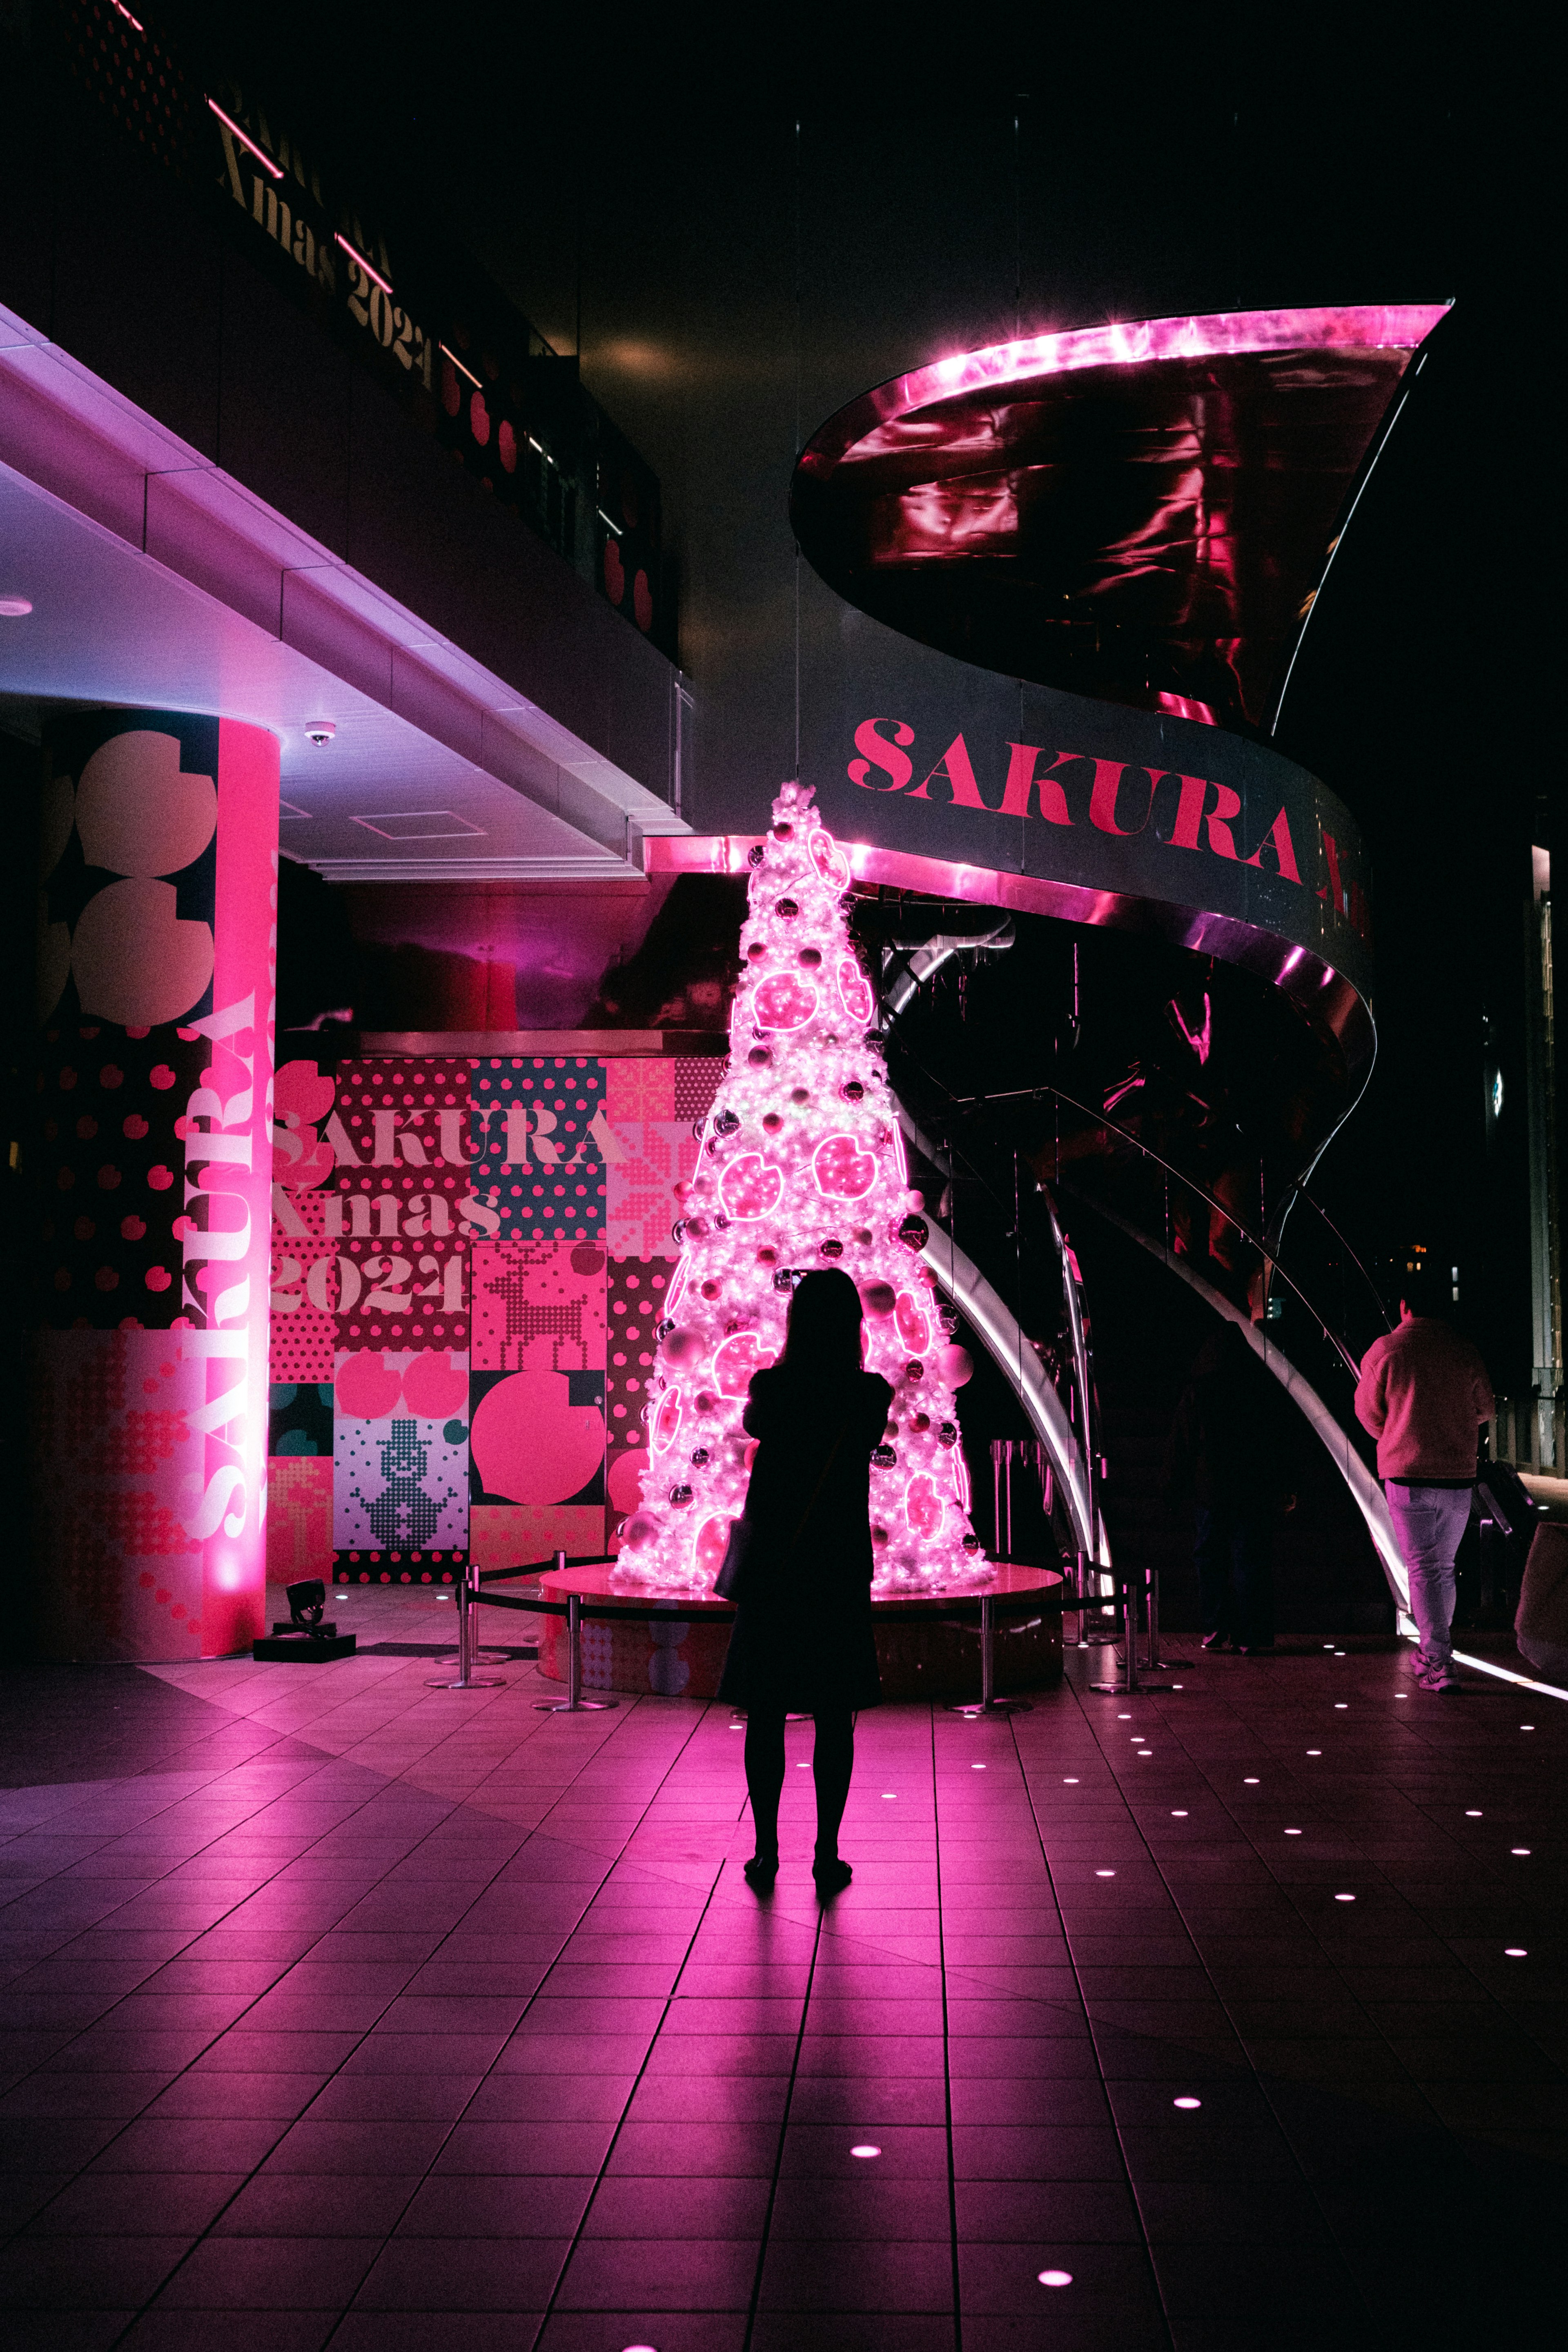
(157,979)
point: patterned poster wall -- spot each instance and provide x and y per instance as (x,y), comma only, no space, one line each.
(468,1260)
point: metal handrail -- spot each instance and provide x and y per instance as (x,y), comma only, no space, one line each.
(1258,1241)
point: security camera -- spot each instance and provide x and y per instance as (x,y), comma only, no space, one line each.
(321,730)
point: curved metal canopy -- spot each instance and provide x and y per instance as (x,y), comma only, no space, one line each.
(1138,513)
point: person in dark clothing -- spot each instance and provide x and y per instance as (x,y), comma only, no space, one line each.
(1231,1447)
(803,1641)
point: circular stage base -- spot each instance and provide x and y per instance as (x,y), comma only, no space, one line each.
(923,1651)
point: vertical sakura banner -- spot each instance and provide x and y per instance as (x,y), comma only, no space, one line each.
(157,948)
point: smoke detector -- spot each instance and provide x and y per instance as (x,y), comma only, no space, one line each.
(321,730)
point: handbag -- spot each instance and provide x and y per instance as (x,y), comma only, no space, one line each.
(742,1548)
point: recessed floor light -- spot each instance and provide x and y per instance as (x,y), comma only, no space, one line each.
(977,1768)
(1527,1726)
(889,1796)
(1514,1952)
(1344,1899)
(1105,1873)
(1292,1832)
(1340,1705)
(1472,1812)
(1401,1693)
(1070,1782)
(1055,2278)
(864,2148)
(1339,1653)
(1250,1781)
(1179,1816)
(1518,1849)
(1315,1752)
(1186,2103)
(1124,1718)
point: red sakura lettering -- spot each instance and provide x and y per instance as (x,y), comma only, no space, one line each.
(1108,775)
(955,771)
(1022,780)
(879,752)
(1278,838)
(1192,816)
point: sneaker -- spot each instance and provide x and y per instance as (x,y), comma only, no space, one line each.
(1440,1678)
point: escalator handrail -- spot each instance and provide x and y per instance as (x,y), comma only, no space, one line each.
(1259,1242)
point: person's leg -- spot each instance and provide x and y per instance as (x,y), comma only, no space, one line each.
(764,1781)
(832,1762)
(1428,1522)
(1211,1556)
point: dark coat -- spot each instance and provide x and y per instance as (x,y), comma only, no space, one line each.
(803,1637)
(1236,1437)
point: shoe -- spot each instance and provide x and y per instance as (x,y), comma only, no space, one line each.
(761,1872)
(1440,1678)
(1215,1641)
(832,1877)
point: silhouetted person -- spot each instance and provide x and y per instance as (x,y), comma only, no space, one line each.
(1232,1447)
(803,1641)
(1424,1393)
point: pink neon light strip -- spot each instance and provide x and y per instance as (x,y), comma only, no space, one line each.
(229,123)
(356,254)
(129,19)
(446,354)
(1368,326)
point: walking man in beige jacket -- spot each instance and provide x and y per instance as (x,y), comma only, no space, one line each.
(1424,1394)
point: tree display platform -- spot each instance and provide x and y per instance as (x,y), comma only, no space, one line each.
(674,1643)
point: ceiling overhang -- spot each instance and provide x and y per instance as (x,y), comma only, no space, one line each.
(156,580)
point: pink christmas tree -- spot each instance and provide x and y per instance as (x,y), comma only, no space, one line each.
(802,1166)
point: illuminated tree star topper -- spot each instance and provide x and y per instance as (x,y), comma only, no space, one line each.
(802,1166)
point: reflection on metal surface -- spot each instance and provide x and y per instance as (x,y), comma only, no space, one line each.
(1005,1342)
(1328,1001)
(1365,1491)
(1142,513)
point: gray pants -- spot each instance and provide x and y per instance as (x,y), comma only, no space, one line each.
(1428,1522)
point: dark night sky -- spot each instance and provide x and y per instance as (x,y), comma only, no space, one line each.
(647,177)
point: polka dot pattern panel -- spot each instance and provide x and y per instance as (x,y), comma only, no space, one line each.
(538,1143)
(304,1279)
(638,1287)
(112,1157)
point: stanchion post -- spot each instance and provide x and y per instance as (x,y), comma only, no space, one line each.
(1129,1682)
(573,1703)
(989,1702)
(467,1678)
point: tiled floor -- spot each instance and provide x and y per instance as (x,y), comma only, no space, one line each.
(340,2009)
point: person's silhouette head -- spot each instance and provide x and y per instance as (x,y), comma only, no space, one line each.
(822,1331)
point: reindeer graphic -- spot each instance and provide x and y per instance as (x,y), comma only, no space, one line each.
(527,1320)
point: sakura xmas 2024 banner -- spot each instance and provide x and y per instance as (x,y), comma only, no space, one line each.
(470,1262)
